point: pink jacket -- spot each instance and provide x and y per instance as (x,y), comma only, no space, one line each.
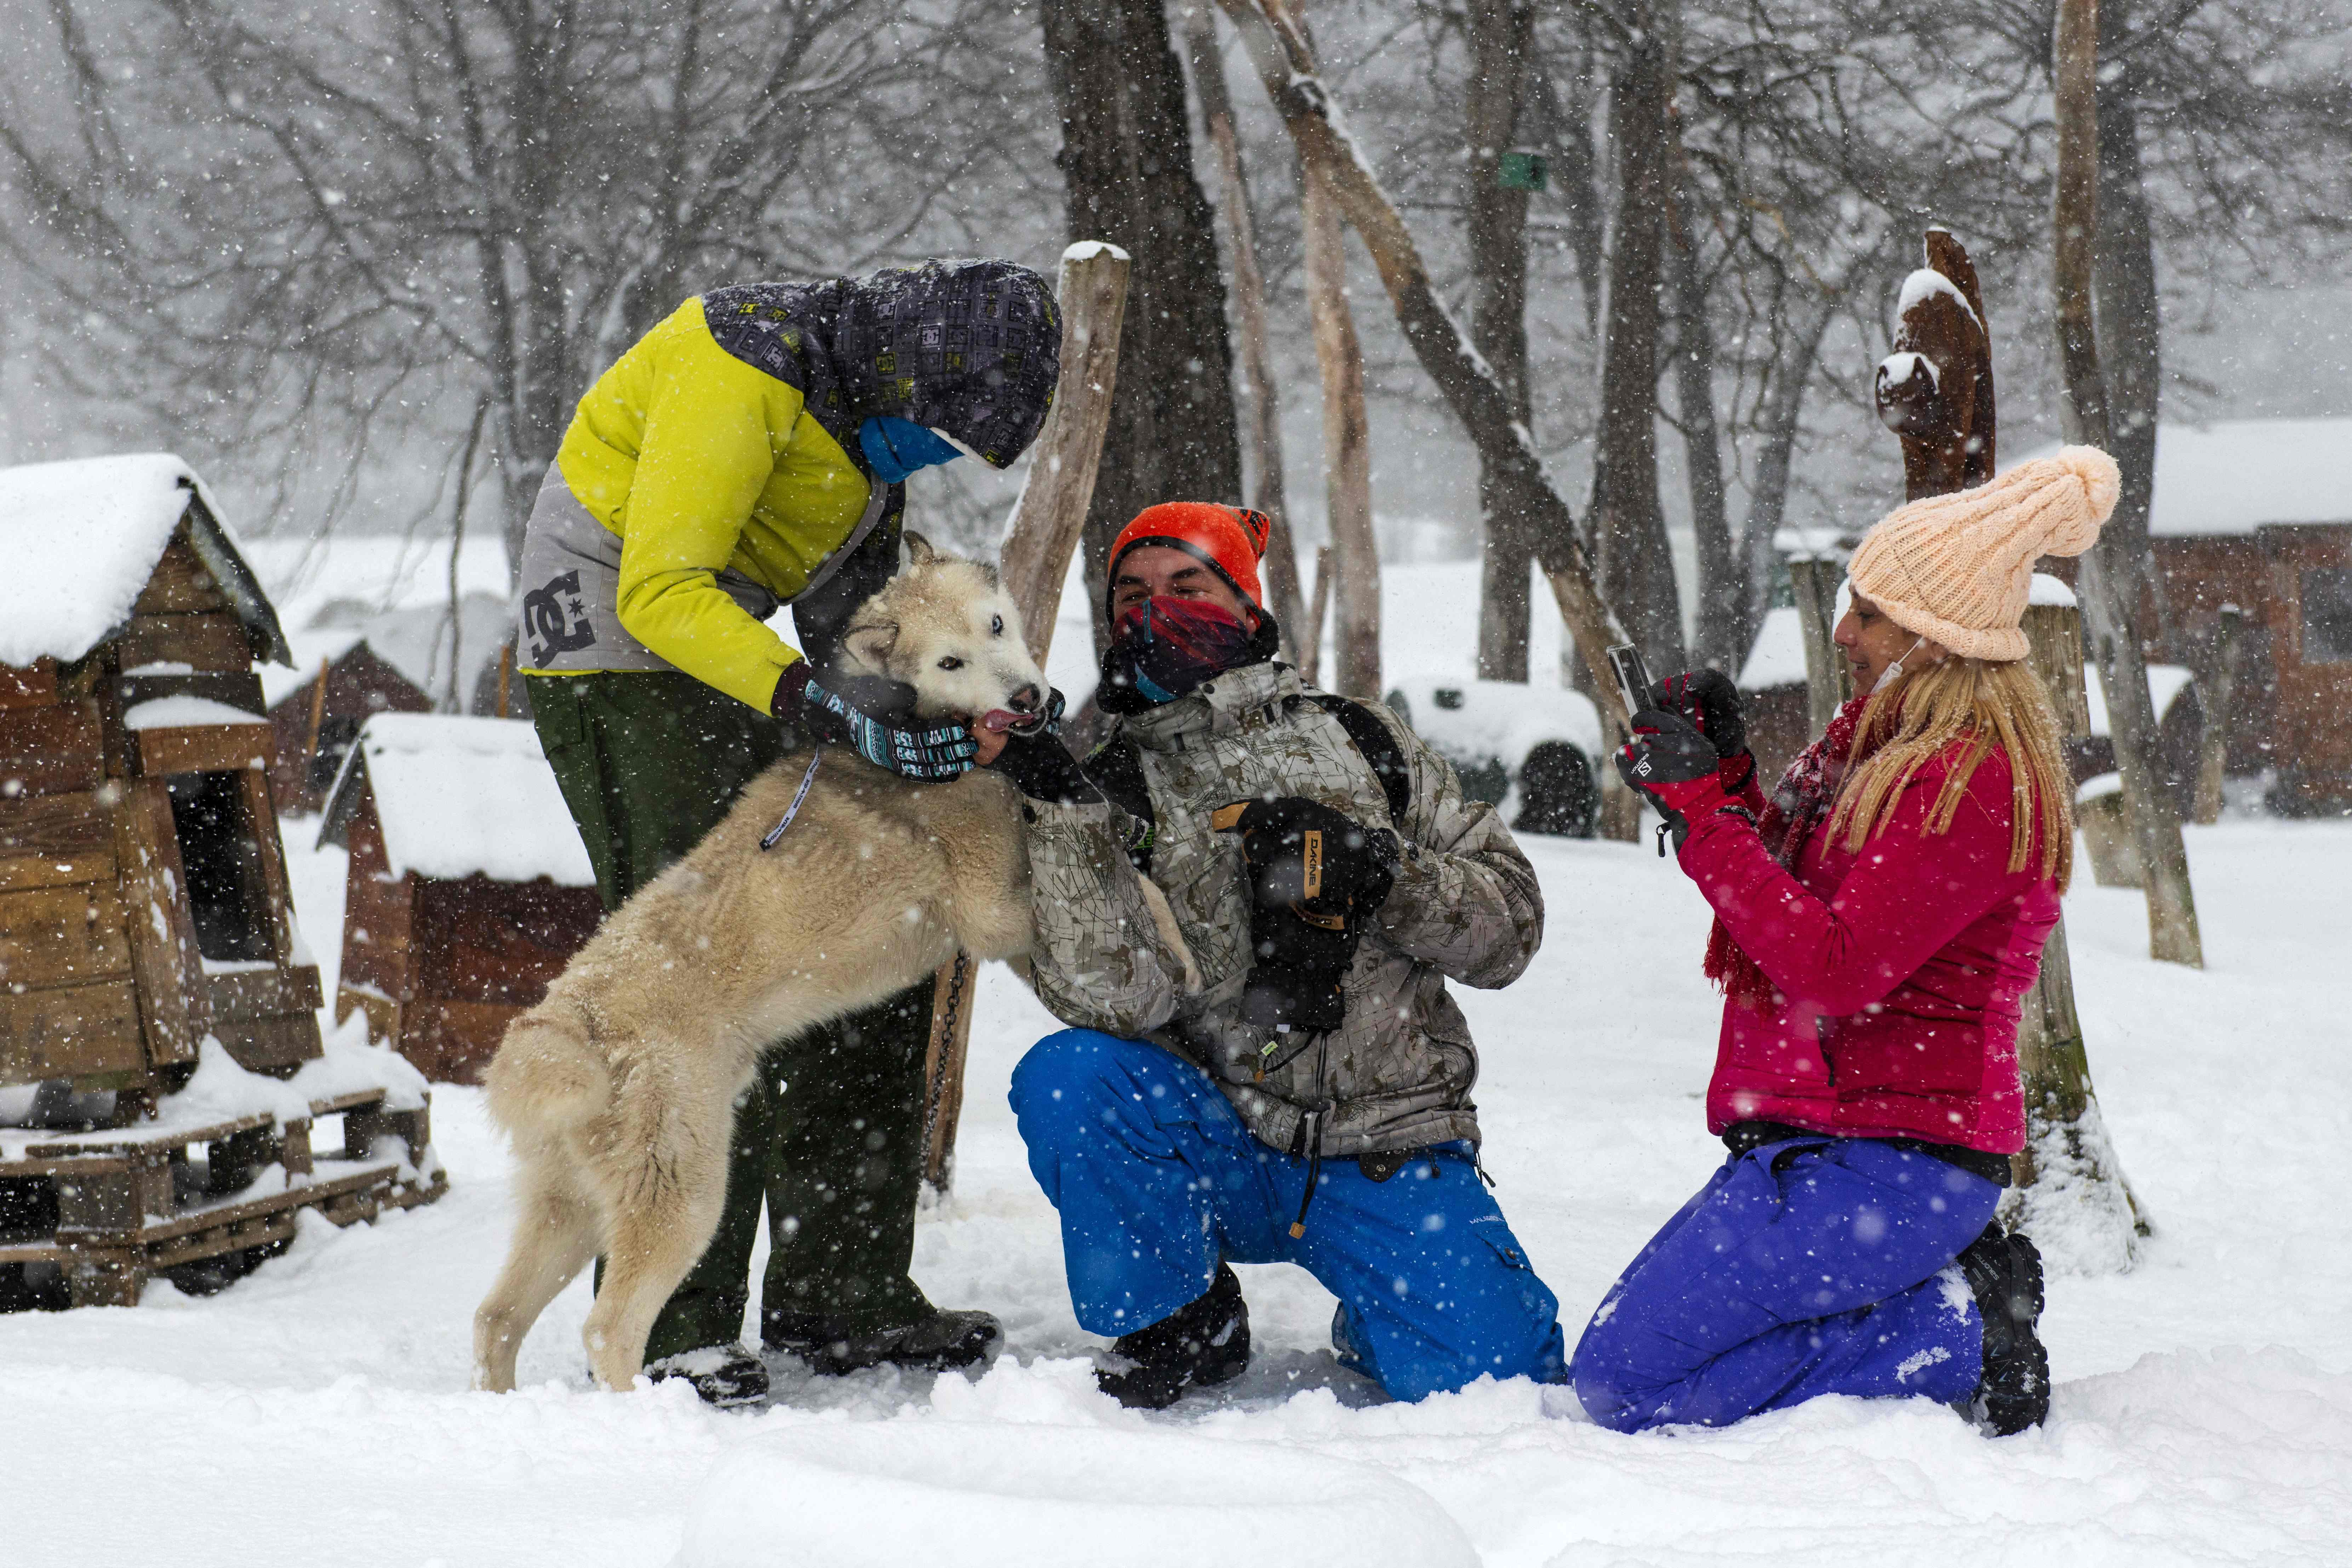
(1901,970)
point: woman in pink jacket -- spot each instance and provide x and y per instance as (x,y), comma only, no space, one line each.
(1877,922)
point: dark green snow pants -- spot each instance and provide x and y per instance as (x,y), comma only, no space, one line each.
(830,1133)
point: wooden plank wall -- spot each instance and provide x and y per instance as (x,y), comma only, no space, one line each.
(101,979)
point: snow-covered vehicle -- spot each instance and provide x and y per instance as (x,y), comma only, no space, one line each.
(1534,752)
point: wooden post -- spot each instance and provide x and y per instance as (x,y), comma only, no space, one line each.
(1827,684)
(1346,441)
(1052,511)
(1038,542)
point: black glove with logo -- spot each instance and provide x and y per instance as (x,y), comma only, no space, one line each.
(1316,874)
(1709,700)
(1675,768)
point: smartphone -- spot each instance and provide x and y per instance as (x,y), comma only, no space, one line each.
(1632,677)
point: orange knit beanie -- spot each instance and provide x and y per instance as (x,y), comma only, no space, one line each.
(1956,568)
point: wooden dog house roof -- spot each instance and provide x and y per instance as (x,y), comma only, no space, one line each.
(456,796)
(80,539)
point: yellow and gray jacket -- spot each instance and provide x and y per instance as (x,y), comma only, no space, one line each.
(1465,906)
(713,473)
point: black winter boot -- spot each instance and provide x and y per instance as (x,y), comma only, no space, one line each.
(2004,1274)
(939,1342)
(1204,1342)
(723,1375)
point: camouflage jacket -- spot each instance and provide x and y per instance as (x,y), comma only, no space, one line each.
(1465,906)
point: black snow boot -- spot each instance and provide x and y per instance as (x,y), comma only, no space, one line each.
(2004,1274)
(939,1342)
(1202,1342)
(724,1376)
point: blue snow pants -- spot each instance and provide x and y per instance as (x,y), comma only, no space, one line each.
(1156,1178)
(1803,1267)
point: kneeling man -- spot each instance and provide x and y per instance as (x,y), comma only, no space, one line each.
(1301,1095)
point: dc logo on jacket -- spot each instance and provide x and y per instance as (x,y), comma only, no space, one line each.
(555,618)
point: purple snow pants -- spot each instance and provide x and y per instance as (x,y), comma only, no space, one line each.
(1804,1268)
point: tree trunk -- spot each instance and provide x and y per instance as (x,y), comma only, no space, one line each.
(1627,523)
(1126,163)
(1501,33)
(1285,66)
(1568,142)
(2122,278)
(1767,493)
(1266,495)
(2069,1192)
(1722,632)
(2113,573)
(1346,445)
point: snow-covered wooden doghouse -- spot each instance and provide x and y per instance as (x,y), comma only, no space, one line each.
(155,997)
(356,663)
(469,890)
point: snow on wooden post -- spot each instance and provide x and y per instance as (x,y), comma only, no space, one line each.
(1052,511)
(1047,524)
(1814,580)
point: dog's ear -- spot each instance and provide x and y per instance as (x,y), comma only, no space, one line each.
(872,644)
(919,550)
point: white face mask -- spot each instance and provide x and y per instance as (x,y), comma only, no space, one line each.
(1896,668)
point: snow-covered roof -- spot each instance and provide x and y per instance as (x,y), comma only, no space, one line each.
(457,795)
(81,538)
(2234,476)
(1778,656)
(2165,682)
(1471,721)
(413,639)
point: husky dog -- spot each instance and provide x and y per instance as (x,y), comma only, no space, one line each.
(619,1088)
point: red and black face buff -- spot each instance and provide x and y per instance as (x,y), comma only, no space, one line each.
(1163,648)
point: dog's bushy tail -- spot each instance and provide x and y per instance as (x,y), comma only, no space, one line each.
(548,1077)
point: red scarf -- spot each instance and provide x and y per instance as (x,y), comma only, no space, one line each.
(1800,804)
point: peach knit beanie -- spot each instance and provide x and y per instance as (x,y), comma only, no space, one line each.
(1956,568)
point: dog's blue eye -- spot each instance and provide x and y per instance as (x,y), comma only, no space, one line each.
(996,626)
(950,662)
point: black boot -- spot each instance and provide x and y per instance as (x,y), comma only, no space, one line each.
(2004,1274)
(724,1376)
(1202,1342)
(939,1342)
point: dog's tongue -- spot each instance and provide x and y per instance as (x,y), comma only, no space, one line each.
(998,719)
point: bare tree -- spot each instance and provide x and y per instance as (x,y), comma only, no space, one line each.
(360,219)
(1299,639)
(1501,36)
(1627,523)
(1127,165)
(2115,568)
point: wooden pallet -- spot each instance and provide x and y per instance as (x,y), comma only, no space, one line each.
(113,1208)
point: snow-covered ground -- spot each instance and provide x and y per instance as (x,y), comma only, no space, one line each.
(317,1411)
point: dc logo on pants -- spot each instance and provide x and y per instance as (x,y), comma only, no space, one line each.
(555,618)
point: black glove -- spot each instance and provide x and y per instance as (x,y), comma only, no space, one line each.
(868,714)
(1673,765)
(1041,767)
(1709,700)
(1315,874)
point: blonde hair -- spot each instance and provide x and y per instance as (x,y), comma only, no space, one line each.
(1988,706)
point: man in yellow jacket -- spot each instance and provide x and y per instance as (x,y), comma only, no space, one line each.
(748,453)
